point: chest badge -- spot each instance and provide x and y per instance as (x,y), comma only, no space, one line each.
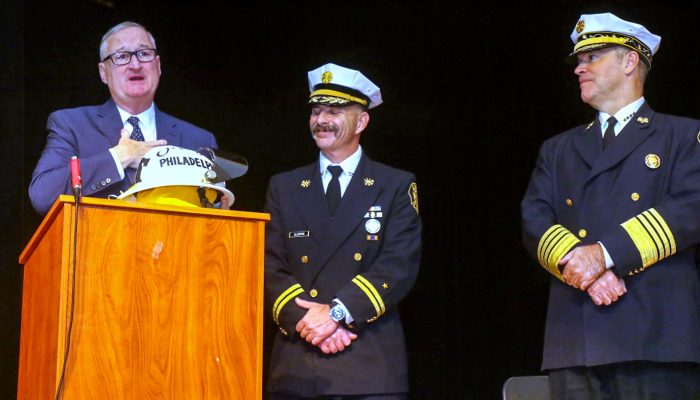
(652,161)
(373,226)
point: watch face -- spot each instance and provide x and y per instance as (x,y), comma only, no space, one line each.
(337,313)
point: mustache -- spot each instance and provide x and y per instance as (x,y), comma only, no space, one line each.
(325,127)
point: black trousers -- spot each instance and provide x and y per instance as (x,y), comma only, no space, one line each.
(392,396)
(636,380)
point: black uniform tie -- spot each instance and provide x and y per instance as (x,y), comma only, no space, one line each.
(136,134)
(333,190)
(609,133)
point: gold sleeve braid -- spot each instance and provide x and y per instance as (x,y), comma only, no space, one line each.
(293,291)
(554,245)
(373,295)
(652,237)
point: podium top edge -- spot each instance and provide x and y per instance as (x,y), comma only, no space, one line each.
(114,203)
(64,200)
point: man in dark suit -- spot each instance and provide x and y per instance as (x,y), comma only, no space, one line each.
(111,139)
(612,212)
(342,250)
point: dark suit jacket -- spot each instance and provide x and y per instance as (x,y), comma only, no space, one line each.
(311,255)
(641,199)
(89,132)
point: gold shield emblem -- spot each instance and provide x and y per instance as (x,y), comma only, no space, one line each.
(580,25)
(652,161)
(327,77)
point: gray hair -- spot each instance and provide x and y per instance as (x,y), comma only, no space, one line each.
(117,28)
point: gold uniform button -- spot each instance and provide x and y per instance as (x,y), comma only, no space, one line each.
(582,233)
(569,202)
(634,196)
(358,257)
(304,259)
(313,293)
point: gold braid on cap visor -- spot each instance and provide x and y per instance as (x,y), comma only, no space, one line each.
(602,38)
(335,93)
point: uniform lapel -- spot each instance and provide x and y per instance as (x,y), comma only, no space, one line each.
(632,135)
(310,201)
(588,143)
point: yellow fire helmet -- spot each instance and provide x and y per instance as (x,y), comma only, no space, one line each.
(175,176)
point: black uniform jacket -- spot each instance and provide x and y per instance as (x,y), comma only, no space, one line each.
(641,199)
(367,256)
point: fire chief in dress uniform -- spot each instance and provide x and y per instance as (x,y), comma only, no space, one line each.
(342,250)
(612,211)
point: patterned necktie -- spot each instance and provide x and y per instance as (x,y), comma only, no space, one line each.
(333,190)
(136,134)
(610,132)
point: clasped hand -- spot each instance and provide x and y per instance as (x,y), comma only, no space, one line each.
(317,328)
(584,269)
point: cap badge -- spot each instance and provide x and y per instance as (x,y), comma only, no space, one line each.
(327,77)
(305,183)
(580,26)
(369,181)
(652,161)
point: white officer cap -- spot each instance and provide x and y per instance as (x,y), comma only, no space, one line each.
(334,85)
(595,31)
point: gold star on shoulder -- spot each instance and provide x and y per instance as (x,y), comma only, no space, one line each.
(369,181)
(385,285)
(306,183)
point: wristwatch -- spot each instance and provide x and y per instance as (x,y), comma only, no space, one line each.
(337,312)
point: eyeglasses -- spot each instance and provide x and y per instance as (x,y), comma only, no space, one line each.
(124,57)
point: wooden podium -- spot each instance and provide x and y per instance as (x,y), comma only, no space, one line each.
(168,303)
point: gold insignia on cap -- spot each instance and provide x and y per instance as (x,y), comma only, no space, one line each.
(306,183)
(652,161)
(327,77)
(413,195)
(643,120)
(369,181)
(580,26)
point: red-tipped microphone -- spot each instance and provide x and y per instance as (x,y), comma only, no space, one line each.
(75,180)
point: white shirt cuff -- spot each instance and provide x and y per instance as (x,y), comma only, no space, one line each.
(608,261)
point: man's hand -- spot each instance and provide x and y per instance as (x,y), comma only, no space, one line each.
(337,342)
(316,325)
(225,202)
(583,265)
(130,151)
(607,289)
